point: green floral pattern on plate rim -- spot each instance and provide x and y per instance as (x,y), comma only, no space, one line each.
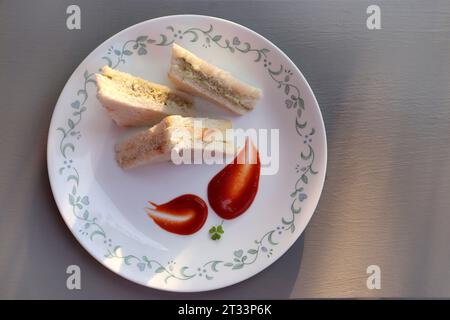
(239,258)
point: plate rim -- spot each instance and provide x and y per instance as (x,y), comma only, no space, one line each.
(319,123)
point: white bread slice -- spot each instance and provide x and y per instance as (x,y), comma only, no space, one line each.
(174,132)
(194,75)
(132,101)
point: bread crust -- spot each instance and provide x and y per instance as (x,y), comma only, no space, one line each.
(249,94)
(128,110)
(156,143)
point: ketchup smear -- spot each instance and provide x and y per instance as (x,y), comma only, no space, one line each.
(183,215)
(232,190)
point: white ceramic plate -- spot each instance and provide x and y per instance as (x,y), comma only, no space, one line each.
(103,205)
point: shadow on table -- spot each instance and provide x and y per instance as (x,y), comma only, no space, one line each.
(276,281)
(47,248)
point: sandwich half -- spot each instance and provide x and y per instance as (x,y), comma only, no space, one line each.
(175,135)
(132,101)
(194,75)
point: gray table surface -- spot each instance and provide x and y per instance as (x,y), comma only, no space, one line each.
(385,99)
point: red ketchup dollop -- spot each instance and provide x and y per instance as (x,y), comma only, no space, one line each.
(232,190)
(183,215)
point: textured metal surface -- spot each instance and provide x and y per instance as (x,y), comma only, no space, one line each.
(385,99)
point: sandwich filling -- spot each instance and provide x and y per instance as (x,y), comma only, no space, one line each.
(211,84)
(142,145)
(140,88)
